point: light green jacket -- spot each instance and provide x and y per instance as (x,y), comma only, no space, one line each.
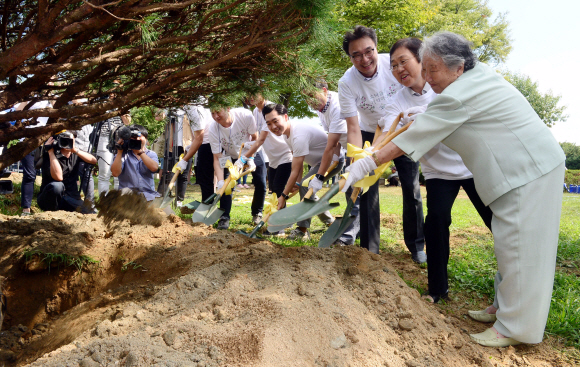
(500,138)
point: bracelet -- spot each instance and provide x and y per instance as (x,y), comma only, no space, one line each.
(376,159)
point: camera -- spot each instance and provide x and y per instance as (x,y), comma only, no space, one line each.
(129,134)
(64,140)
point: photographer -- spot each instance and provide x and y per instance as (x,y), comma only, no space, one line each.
(135,165)
(60,166)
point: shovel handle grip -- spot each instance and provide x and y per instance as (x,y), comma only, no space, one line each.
(395,123)
(173,179)
(355,192)
(332,167)
(308,194)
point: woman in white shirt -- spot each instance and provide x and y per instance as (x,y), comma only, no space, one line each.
(442,167)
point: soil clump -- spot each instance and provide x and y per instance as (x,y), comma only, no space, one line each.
(188,295)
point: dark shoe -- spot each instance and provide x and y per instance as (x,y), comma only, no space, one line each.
(435,297)
(223,223)
(420,257)
(268,233)
(338,243)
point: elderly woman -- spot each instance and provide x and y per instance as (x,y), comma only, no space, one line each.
(517,168)
(442,167)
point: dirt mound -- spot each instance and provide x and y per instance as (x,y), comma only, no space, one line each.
(183,295)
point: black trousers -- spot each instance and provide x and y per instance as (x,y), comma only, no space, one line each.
(28,177)
(370,212)
(259,181)
(54,197)
(279,177)
(204,174)
(412,204)
(441,195)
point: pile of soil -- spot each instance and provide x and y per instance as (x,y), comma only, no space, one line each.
(188,295)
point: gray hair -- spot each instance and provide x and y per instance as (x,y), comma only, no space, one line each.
(452,48)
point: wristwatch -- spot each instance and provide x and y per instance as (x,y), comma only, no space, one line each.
(319,176)
(284,196)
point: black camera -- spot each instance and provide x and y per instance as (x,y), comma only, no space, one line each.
(129,134)
(63,140)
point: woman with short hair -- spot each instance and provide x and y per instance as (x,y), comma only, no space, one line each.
(442,167)
(517,167)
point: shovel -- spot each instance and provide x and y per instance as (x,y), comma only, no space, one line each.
(285,217)
(340,225)
(210,213)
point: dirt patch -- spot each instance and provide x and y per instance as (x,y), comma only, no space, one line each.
(192,296)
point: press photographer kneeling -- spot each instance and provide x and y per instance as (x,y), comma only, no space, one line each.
(134,164)
(60,166)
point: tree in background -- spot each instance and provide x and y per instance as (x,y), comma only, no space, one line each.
(146,53)
(472,20)
(545,105)
(572,152)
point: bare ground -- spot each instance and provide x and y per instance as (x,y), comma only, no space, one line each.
(185,295)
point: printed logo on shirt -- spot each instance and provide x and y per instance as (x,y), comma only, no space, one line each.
(377,98)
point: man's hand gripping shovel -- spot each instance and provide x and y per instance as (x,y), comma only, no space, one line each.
(210,213)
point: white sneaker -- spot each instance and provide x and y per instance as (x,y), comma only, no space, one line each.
(179,204)
(297,234)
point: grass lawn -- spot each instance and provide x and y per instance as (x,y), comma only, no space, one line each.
(472,264)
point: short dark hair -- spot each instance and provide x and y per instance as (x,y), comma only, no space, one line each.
(280,108)
(412,44)
(358,32)
(142,129)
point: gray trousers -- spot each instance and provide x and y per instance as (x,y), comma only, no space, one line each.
(525,226)
(325,217)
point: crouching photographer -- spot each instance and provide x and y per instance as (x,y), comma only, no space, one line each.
(134,164)
(60,168)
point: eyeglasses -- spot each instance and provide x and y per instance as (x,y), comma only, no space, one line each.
(400,65)
(358,57)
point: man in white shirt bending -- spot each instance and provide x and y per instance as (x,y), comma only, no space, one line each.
(275,147)
(233,127)
(364,92)
(327,106)
(307,143)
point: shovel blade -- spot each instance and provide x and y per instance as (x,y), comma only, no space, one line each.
(335,230)
(199,215)
(213,215)
(157,203)
(287,216)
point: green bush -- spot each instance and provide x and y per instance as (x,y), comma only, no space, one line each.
(572,177)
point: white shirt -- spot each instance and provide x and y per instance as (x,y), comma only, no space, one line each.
(370,98)
(274,146)
(199,119)
(229,140)
(441,161)
(308,141)
(83,137)
(331,120)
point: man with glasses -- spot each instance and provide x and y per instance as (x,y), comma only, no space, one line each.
(364,93)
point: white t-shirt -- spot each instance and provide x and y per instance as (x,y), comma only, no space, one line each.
(274,146)
(441,161)
(331,120)
(367,96)
(308,141)
(199,119)
(229,140)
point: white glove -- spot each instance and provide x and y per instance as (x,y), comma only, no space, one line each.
(369,149)
(247,146)
(335,158)
(182,165)
(358,170)
(220,184)
(412,111)
(240,164)
(383,122)
(315,184)
(251,164)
